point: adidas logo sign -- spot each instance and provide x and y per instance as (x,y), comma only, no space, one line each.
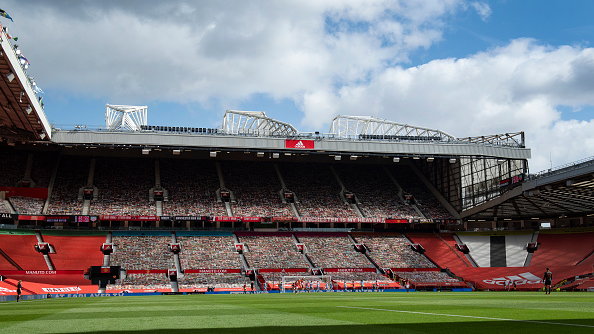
(299,144)
(525,278)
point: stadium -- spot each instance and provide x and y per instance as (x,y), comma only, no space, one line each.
(256,207)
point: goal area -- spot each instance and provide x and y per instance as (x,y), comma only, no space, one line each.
(306,283)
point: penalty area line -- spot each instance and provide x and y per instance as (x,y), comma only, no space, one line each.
(468,316)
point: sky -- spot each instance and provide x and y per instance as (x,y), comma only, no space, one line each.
(466,67)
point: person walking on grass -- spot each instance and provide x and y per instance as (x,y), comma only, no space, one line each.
(548,280)
(18,291)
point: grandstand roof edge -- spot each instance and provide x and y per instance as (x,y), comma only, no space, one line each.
(322,145)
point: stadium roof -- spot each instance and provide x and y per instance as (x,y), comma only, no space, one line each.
(254,131)
(21,112)
(567,190)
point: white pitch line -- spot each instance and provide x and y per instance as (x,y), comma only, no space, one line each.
(469,316)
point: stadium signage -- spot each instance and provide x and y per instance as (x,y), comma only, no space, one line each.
(237,219)
(24,192)
(57,219)
(68,289)
(339,220)
(349,270)
(40,272)
(5,216)
(85,219)
(187,218)
(396,221)
(512,180)
(81,295)
(300,144)
(134,218)
(212,271)
(283,270)
(520,279)
(27,217)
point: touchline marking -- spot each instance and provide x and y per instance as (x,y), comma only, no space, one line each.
(468,316)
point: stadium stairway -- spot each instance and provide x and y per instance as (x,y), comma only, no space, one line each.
(46,257)
(20,249)
(354,206)
(479,246)
(50,187)
(228,207)
(75,252)
(107,257)
(304,253)
(438,196)
(244,261)
(440,248)
(372,261)
(587,258)
(6,206)
(401,193)
(284,188)
(7,263)
(556,249)
(466,255)
(90,181)
(534,239)
(176,260)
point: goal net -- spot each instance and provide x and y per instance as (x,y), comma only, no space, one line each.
(306,283)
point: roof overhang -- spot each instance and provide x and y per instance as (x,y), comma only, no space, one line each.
(321,145)
(569,191)
(21,114)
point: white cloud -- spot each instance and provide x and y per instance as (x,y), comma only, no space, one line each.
(482,9)
(195,51)
(512,88)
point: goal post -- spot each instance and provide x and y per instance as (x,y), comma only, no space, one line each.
(306,283)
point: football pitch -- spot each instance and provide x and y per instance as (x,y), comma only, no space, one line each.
(365,313)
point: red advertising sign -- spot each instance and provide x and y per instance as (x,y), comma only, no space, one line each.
(40,272)
(396,221)
(339,220)
(300,144)
(26,217)
(134,218)
(24,192)
(349,270)
(283,270)
(212,271)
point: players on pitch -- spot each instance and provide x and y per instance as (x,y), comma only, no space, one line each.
(547,280)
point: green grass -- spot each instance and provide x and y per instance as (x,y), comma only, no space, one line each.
(307,313)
